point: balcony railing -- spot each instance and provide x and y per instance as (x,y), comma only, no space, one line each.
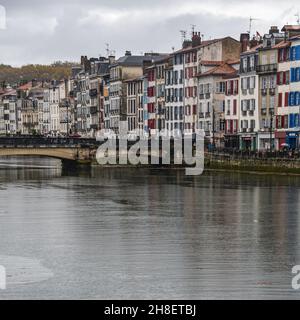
(267,68)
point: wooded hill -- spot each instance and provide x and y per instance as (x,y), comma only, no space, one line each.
(20,75)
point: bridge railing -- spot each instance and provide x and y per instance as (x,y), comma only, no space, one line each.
(25,141)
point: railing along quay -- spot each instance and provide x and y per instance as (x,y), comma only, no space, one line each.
(25,141)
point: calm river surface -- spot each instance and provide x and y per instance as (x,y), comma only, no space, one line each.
(136,233)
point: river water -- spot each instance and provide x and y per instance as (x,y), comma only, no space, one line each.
(116,233)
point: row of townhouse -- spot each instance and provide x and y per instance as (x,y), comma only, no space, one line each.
(244,94)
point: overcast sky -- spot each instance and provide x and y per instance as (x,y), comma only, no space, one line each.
(43,31)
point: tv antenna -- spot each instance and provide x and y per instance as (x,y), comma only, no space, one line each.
(250,24)
(193,28)
(298,18)
(183,35)
(107,49)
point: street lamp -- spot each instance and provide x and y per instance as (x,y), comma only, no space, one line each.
(271,129)
(67,105)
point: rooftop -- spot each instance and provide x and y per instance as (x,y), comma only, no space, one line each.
(130,60)
(221,70)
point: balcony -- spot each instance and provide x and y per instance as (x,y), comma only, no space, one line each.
(272,91)
(93,93)
(264,92)
(93,109)
(263,111)
(267,68)
(207,114)
(201,115)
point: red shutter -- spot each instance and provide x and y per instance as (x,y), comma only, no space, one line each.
(286,99)
(278,78)
(234,106)
(280,99)
(277,121)
(284,78)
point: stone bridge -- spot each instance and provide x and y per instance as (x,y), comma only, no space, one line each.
(69,150)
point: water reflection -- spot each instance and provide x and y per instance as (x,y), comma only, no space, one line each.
(136,233)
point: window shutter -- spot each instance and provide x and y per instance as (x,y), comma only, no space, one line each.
(284,78)
(280,99)
(292,74)
(286,100)
(298,53)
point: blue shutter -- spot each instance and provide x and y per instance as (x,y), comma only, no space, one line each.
(291,54)
(292,99)
(292,74)
(291,121)
(298,53)
(297,96)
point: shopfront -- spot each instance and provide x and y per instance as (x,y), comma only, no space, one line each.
(292,139)
(280,140)
(232,141)
(248,142)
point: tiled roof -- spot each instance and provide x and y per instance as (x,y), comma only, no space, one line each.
(26,86)
(219,70)
(291,28)
(211,63)
(253,49)
(282,44)
(295,38)
(204,43)
(138,60)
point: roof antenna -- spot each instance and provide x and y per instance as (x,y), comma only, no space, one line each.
(183,35)
(250,24)
(193,29)
(298,18)
(107,49)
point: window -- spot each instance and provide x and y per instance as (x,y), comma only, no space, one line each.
(293,53)
(297,98)
(234,107)
(245,64)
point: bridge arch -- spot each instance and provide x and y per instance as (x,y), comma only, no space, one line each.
(71,154)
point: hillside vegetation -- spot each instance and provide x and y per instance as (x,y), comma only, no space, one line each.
(19,75)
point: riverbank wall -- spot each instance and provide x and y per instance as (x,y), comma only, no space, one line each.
(259,165)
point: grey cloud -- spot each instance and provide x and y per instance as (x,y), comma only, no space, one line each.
(44,31)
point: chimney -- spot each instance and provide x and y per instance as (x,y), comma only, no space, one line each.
(244,39)
(128,53)
(253,42)
(196,39)
(273,29)
(112,59)
(34,82)
(186,44)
